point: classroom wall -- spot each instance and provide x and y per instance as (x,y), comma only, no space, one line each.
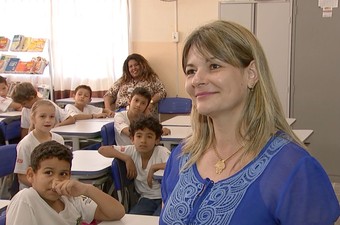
(152,24)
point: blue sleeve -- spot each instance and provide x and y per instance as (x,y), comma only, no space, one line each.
(309,197)
(171,173)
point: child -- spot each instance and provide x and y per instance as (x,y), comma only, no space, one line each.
(138,104)
(145,157)
(81,110)
(43,119)
(6,103)
(54,199)
(25,94)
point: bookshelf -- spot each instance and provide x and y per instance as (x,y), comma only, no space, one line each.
(32,65)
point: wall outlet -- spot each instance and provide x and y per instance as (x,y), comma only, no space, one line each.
(175,37)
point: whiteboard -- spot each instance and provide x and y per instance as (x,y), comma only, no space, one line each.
(271,23)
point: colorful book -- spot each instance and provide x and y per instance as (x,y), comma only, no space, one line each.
(39,65)
(17,43)
(4,43)
(36,45)
(11,65)
(22,67)
(4,61)
(27,41)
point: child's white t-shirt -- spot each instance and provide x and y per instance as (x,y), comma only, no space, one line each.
(121,121)
(88,109)
(24,149)
(159,155)
(27,207)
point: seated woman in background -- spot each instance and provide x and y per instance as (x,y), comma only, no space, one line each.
(136,73)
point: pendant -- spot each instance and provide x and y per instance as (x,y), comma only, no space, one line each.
(219,166)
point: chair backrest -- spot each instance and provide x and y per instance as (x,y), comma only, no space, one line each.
(3,219)
(108,134)
(175,105)
(123,185)
(11,129)
(8,155)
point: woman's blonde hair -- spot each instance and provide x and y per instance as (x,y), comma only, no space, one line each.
(262,113)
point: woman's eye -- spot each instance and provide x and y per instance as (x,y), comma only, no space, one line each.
(190,72)
(214,66)
(48,172)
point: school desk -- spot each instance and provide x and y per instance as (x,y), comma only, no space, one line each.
(130,219)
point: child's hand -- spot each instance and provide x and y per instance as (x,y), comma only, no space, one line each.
(100,115)
(131,169)
(166,131)
(111,113)
(70,188)
(150,177)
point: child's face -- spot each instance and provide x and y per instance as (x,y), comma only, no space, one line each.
(145,140)
(3,90)
(82,97)
(51,171)
(28,103)
(138,104)
(44,118)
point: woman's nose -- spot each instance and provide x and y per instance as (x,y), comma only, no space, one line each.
(198,79)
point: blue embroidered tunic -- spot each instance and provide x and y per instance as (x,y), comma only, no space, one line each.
(283,185)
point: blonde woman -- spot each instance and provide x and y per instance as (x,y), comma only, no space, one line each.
(243,164)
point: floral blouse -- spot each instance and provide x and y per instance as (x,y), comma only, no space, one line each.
(121,92)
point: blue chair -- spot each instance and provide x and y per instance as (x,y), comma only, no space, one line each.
(11,129)
(174,105)
(108,134)
(3,219)
(123,186)
(8,156)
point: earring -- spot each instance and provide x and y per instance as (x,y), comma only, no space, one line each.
(251,87)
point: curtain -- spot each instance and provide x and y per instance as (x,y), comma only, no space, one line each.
(89,38)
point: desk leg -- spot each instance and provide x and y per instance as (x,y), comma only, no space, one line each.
(75,144)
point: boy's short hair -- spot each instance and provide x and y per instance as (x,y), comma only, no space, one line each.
(24,92)
(3,80)
(150,122)
(142,92)
(83,86)
(48,150)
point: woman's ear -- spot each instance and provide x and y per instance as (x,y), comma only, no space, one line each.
(252,74)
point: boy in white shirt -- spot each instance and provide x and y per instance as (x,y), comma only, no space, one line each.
(6,103)
(82,110)
(54,199)
(25,94)
(142,160)
(138,104)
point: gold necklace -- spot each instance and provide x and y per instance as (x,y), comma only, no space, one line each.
(220,165)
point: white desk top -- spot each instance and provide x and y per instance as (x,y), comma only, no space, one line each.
(71,100)
(89,164)
(82,128)
(177,133)
(181,120)
(130,219)
(10,114)
(184,121)
(3,203)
